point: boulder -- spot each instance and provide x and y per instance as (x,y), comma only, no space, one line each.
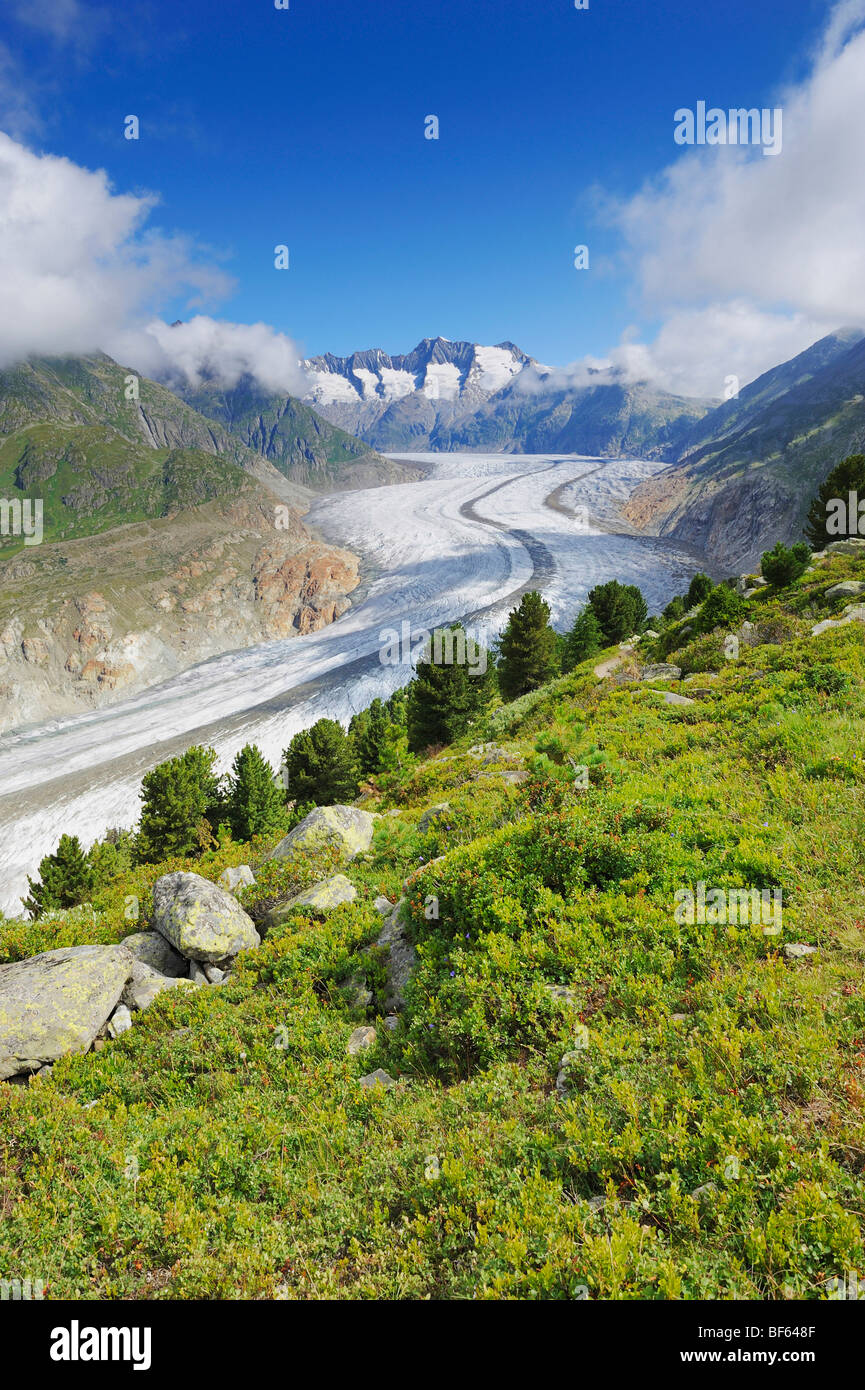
(322,897)
(239,877)
(384,906)
(379,1077)
(143,988)
(345,828)
(850,588)
(671,698)
(660,671)
(853,545)
(152,950)
(402,958)
(568,1068)
(57,1002)
(797,950)
(200,919)
(120,1021)
(360,1039)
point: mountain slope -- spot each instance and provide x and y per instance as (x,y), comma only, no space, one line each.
(399,402)
(163,541)
(93,390)
(750,484)
(610,418)
(456,395)
(304,447)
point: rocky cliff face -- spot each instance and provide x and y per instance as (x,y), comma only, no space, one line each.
(84,625)
(746,473)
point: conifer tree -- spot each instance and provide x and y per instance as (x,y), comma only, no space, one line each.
(699,590)
(181,806)
(583,640)
(321,765)
(620,610)
(528,648)
(454,682)
(65,878)
(256,805)
(828,522)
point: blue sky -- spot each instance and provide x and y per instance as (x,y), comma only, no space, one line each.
(306,127)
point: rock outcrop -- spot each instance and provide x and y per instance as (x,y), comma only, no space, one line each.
(201,920)
(344,828)
(57,1002)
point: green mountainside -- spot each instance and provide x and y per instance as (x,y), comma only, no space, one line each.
(584,1092)
(297,441)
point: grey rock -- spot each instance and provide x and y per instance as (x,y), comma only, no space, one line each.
(322,897)
(569,1064)
(797,950)
(384,906)
(660,671)
(345,828)
(379,1077)
(671,698)
(151,948)
(214,975)
(57,1002)
(239,877)
(402,958)
(120,1021)
(561,994)
(200,919)
(391,1022)
(360,1039)
(196,974)
(141,993)
(853,545)
(849,588)
(706,1192)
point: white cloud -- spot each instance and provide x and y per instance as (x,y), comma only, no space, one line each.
(204,347)
(77,267)
(81,272)
(748,259)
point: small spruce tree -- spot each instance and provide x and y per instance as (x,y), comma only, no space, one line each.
(528,648)
(255,805)
(65,878)
(321,765)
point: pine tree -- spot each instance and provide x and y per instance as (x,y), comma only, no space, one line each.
(826,523)
(528,648)
(181,804)
(780,565)
(65,878)
(447,692)
(583,640)
(255,806)
(321,765)
(723,608)
(699,590)
(620,610)
(369,733)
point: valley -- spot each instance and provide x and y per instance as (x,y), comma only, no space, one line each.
(463,543)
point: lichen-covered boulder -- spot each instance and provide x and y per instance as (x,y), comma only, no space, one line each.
(200,919)
(322,898)
(57,1002)
(239,877)
(140,993)
(402,957)
(345,828)
(151,949)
